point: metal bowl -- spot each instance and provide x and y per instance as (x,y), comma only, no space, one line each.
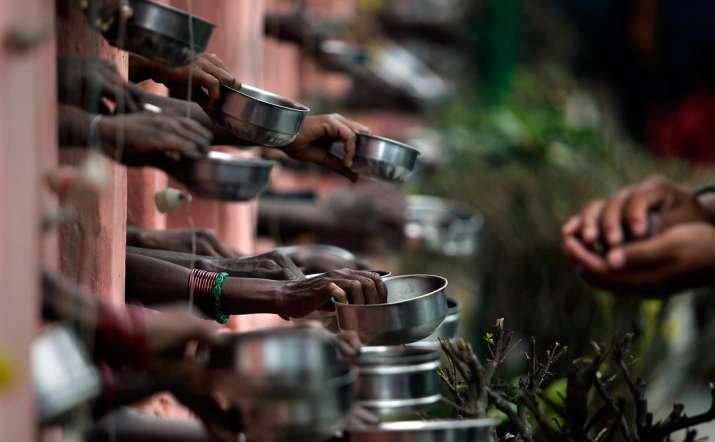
(443,226)
(161,33)
(382,273)
(397,380)
(466,430)
(416,306)
(313,417)
(260,117)
(380,157)
(322,248)
(225,176)
(446,330)
(273,363)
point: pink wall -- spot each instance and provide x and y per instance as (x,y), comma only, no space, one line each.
(27,116)
(93,247)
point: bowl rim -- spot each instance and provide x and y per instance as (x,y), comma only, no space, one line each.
(341,305)
(177,11)
(391,141)
(296,106)
(437,424)
(225,158)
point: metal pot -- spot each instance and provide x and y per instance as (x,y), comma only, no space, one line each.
(319,248)
(466,430)
(312,417)
(380,157)
(161,33)
(446,330)
(225,176)
(260,117)
(443,226)
(397,380)
(274,363)
(416,306)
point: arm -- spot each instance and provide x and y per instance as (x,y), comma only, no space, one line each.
(271,265)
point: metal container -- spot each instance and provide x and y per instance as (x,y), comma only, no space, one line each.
(443,226)
(416,306)
(225,176)
(274,363)
(322,248)
(380,157)
(260,117)
(62,375)
(465,430)
(446,330)
(382,273)
(397,380)
(313,417)
(161,33)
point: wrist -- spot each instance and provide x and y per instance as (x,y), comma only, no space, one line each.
(253,295)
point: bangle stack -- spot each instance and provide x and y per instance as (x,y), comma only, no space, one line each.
(203,283)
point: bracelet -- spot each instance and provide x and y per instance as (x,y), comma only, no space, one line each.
(219,316)
(92,138)
(706,188)
(203,284)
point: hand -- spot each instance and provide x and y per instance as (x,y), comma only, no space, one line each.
(170,330)
(626,214)
(316,260)
(679,258)
(271,265)
(208,71)
(319,132)
(299,298)
(373,207)
(147,139)
(82,82)
(206,241)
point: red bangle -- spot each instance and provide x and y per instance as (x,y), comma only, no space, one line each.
(201,283)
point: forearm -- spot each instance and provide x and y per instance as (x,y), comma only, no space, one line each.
(186,260)
(73,126)
(295,216)
(153,281)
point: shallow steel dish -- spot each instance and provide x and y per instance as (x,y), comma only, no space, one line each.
(397,380)
(313,417)
(161,33)
(260,117)
(416,306)
(465,430)
(273,363)
(225,176)
(443,226)
(446,330)
(380,157)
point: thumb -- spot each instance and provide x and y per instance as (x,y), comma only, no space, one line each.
(641,253)
(338,166)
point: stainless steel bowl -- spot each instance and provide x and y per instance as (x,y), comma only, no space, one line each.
(261,117)
(161,33)
(313,417)
(466,430)
(416,306)
(397,380)
(225,176)
(380,157)
(322,248)
(446,330)
(274,363)
(443,226)
(382,273)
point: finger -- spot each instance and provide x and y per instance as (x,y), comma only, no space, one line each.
(212,85)
(380,287)
(589,260)
(181,128)
(368,289)
(611,221)
(636,211)
(221,73)
(355,126)
(589,221)
(649,252)
(571,226)
(291,269)
(347,135)
(196,127)
(214,59)
(205,248)
(175,147)
(353,289)
(337,293)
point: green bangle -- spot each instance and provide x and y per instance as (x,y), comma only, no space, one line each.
(219,316)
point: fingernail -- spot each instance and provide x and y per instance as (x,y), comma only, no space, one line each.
(614,237)
(617,258)
(589,234)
